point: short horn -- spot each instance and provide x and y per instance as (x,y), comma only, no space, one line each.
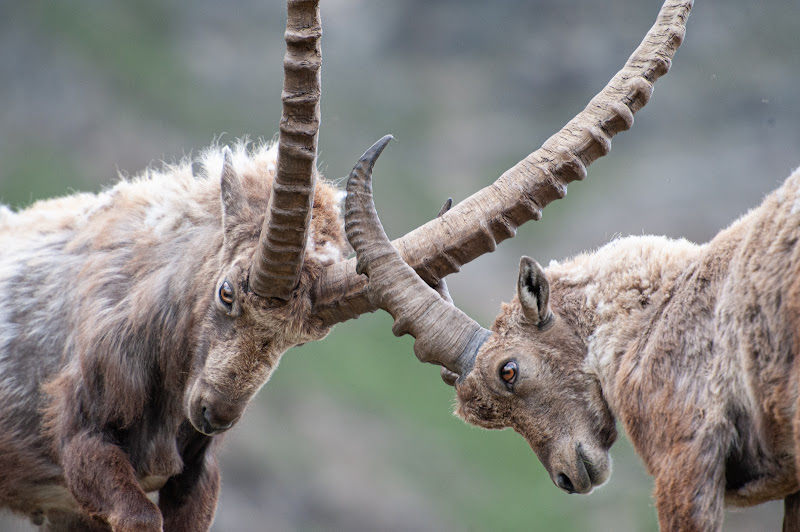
(275,270)
(444,334)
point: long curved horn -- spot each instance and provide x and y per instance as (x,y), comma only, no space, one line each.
(444,335)
(491,215)
(275,270)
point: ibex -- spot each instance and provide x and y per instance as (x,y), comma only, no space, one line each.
(146,317)
(693,348)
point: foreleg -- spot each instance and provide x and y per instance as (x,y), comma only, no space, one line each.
(690,493)
(66,521)
(102,480)
(188,500)
(791,513)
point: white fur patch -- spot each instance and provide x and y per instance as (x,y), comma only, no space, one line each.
(795,205)
(329,254)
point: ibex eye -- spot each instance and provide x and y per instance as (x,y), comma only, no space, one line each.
(226,293)
(509,372)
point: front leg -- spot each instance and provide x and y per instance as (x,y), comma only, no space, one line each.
(690,492)
(188,500)
(791,513)
(69,521)
(102,480)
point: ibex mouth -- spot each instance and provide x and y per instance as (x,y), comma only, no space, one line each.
(209,412)
(585,473)
(597,470)
(578,481)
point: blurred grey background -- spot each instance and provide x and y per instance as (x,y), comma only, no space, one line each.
(352,433)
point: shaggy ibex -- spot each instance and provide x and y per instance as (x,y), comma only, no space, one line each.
(693,348)
(145,317)
(148,315)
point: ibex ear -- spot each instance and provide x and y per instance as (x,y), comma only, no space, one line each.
(232,193)
(533,291)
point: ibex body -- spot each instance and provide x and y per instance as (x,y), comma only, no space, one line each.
(132,317)
(693,348)
(147,316)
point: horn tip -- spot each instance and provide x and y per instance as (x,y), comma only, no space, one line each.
(446,207)
(362,171)
(227,154)
(376,149)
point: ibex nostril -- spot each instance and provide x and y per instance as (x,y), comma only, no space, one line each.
(563,482)
(208,427)
(212,424)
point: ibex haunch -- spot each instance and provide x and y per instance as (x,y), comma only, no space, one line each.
(147,316)
(693,348)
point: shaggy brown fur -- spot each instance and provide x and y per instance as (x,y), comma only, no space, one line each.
(118,358)
(693,348)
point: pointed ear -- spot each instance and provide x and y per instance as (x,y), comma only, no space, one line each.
(232,193)
(533,291)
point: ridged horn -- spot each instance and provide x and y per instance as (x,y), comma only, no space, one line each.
(444,334)
(275,270)
(476,225)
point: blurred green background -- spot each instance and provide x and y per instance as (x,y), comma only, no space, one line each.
(352,433)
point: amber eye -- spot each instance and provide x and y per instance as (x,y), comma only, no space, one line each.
(226,293)
(509,372)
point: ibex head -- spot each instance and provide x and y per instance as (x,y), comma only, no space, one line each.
(269,282)
(528,376)
(246,330)
(521,373)
(261,299)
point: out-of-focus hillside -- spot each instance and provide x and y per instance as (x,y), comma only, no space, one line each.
(352,433)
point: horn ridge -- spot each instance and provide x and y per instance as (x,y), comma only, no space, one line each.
(476,225)
(278,259)
(443,334)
